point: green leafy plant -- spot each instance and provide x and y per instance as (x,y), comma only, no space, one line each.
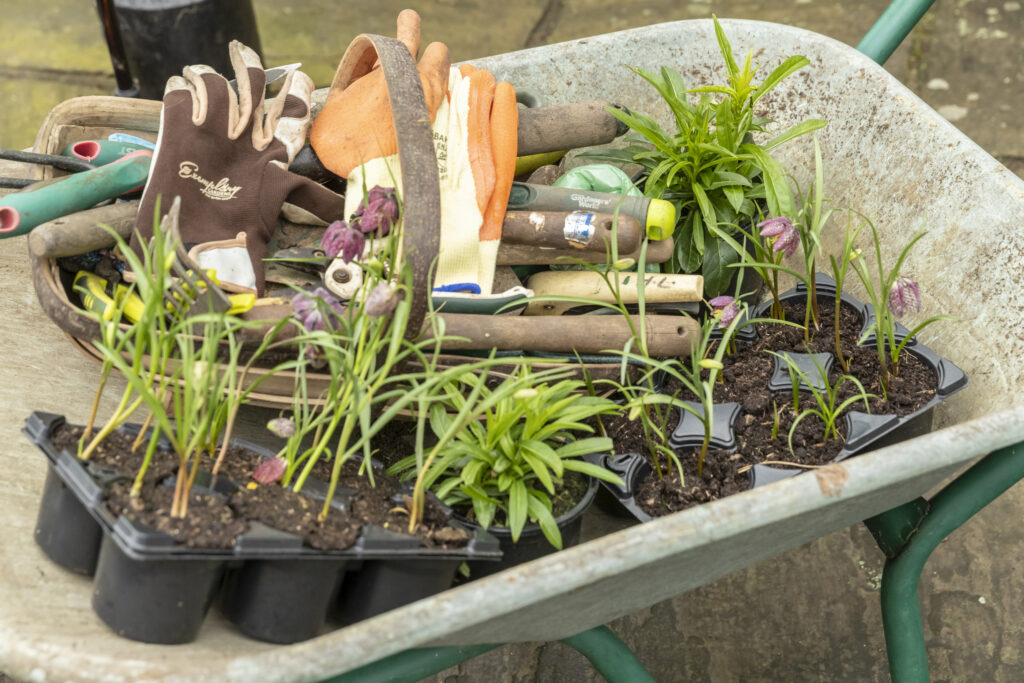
(892,296)
(711,168)
(504,451)
(827,406)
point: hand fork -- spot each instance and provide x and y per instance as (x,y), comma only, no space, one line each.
(202,295)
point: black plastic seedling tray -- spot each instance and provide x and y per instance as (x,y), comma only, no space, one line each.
(864,431)
(147,587)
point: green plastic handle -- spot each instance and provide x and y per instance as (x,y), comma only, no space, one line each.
(100,152)
(22,211)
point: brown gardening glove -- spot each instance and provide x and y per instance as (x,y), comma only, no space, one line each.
(227,159)
(355,124)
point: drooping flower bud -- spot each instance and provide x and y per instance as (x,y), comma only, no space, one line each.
(787,239)
(270,470)
(341,240)
(725,308)
(904,297)
(381,300)
(283,427)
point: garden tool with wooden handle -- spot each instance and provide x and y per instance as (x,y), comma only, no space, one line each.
(578,230)
(512,254)
(585,284)
(666,335)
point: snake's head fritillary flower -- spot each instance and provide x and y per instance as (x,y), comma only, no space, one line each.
(342,240)
(904,297)
(725,308)
(787,239)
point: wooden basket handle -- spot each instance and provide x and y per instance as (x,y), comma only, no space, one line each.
(421,203)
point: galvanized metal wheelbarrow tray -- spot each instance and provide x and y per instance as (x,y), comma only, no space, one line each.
(887,154)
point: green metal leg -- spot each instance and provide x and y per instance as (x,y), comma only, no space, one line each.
(950,508)
(892,27)
(609,655)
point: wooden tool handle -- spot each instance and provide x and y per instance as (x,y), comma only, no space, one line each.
(511,254)
(80,232)
(566,126)
(577,230)
(667,335)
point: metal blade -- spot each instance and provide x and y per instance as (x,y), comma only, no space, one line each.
(273,74)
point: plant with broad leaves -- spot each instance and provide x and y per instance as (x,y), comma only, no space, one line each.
(827,406)
(504,451)
(711,168)
(892,296)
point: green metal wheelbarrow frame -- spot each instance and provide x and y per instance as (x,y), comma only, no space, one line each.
(907,534)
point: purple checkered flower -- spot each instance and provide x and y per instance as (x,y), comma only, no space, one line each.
(380,301)
(781,228)
(725,308)
(378,212)
(904,297)
(341,240)
(309,308)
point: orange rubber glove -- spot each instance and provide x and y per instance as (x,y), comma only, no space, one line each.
(504,126)
(356,124)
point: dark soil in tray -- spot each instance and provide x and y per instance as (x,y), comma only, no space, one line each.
(628,435)
(762,428)
(115,452)
(286,510)
(210,522)
(721,478)
(214,521)
(748,369)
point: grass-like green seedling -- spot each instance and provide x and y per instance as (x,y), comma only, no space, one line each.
(840,269)
(892,296)
(825,407)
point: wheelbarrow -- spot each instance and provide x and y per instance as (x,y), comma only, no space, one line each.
(887,154)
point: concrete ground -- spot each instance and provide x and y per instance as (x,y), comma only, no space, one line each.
(811,614)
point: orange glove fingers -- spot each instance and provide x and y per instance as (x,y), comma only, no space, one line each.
(481,158)
(434,68)
(409,30)
(504,129)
